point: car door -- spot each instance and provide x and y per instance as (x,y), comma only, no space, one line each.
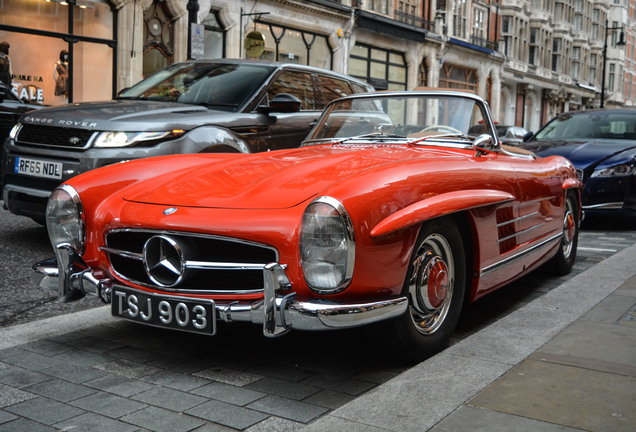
(523,229)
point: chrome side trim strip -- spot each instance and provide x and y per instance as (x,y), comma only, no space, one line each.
(612,205)
(517,219)
(496,266)
(518,233)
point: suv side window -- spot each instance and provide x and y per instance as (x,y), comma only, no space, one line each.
(298,84)
(331,88)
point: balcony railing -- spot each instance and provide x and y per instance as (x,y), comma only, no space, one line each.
(479,41)
(413,20)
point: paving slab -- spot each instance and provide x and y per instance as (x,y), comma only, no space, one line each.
(565,395)
(485,420)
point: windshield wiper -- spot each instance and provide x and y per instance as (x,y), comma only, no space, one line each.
(380,135)
(448,135)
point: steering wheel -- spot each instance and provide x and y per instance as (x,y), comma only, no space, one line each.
(441,128)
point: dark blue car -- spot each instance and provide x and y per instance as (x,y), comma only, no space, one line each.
(602,146)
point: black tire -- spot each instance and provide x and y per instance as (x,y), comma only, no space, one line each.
(434,305)
(563,261)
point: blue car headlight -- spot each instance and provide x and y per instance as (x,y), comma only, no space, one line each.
(614,171)
(327,246)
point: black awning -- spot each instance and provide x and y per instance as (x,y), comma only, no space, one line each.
(387,26)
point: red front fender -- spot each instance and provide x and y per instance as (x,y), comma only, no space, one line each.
(439,205)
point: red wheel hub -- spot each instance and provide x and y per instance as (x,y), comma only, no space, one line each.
(437,287)
(570,227)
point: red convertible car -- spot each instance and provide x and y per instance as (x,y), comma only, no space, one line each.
(400,207)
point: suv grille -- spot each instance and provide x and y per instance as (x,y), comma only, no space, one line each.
(37,135)
(210,264)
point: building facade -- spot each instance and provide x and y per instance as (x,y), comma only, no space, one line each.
(531,59)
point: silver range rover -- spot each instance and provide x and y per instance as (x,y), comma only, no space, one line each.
(192,107)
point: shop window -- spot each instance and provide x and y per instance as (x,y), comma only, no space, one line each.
(158,39)
(383,69)
(51,67)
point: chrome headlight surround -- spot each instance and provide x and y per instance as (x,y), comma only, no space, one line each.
(15,130)
(65,219)
(115,139)
(327,246)
(620,170)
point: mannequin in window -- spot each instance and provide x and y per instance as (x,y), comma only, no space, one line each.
(60,74)
(5,64)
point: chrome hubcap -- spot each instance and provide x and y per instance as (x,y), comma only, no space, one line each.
(569,229)
(431,284)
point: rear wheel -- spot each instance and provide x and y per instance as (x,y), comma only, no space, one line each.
(435,287)
(564,259)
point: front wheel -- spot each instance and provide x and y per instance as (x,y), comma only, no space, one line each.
(435,285)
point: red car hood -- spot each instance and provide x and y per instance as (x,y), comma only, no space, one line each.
(272,180)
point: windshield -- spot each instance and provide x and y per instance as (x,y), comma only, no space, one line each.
(593,125)
(220,86)
(416,117)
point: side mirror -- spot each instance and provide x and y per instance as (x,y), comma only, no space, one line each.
(528,136)
(485,143)
(282,103)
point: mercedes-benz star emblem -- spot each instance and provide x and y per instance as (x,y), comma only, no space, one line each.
(163,260)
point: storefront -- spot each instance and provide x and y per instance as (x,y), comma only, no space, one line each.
(60,51)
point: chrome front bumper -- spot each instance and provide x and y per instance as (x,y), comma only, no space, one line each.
(278,312)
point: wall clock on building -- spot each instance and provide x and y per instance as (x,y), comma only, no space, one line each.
(254,44)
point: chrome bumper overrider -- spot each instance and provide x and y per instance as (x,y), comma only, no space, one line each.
(280,311)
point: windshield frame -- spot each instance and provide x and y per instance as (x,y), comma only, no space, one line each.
(446,139)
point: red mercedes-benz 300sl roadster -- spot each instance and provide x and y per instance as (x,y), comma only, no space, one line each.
(399,208)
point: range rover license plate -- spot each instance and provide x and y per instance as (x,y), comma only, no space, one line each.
(38,168)
(180,313)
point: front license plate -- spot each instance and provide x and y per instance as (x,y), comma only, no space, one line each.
(180,313)
(38,168)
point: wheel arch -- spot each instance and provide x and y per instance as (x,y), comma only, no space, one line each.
(215,139)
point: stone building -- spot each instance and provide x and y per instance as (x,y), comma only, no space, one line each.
(530,59)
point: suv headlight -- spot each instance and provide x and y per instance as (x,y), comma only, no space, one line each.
(615,171)
(327,246)
(65,218)
(125,139)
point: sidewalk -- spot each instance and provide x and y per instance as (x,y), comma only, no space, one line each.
(564,362)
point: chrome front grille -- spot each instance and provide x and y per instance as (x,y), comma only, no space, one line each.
(188,262)
(52,136)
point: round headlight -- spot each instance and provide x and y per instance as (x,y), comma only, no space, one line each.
(327,246)
(65,218)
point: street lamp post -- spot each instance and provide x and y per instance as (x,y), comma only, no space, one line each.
(621,42)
